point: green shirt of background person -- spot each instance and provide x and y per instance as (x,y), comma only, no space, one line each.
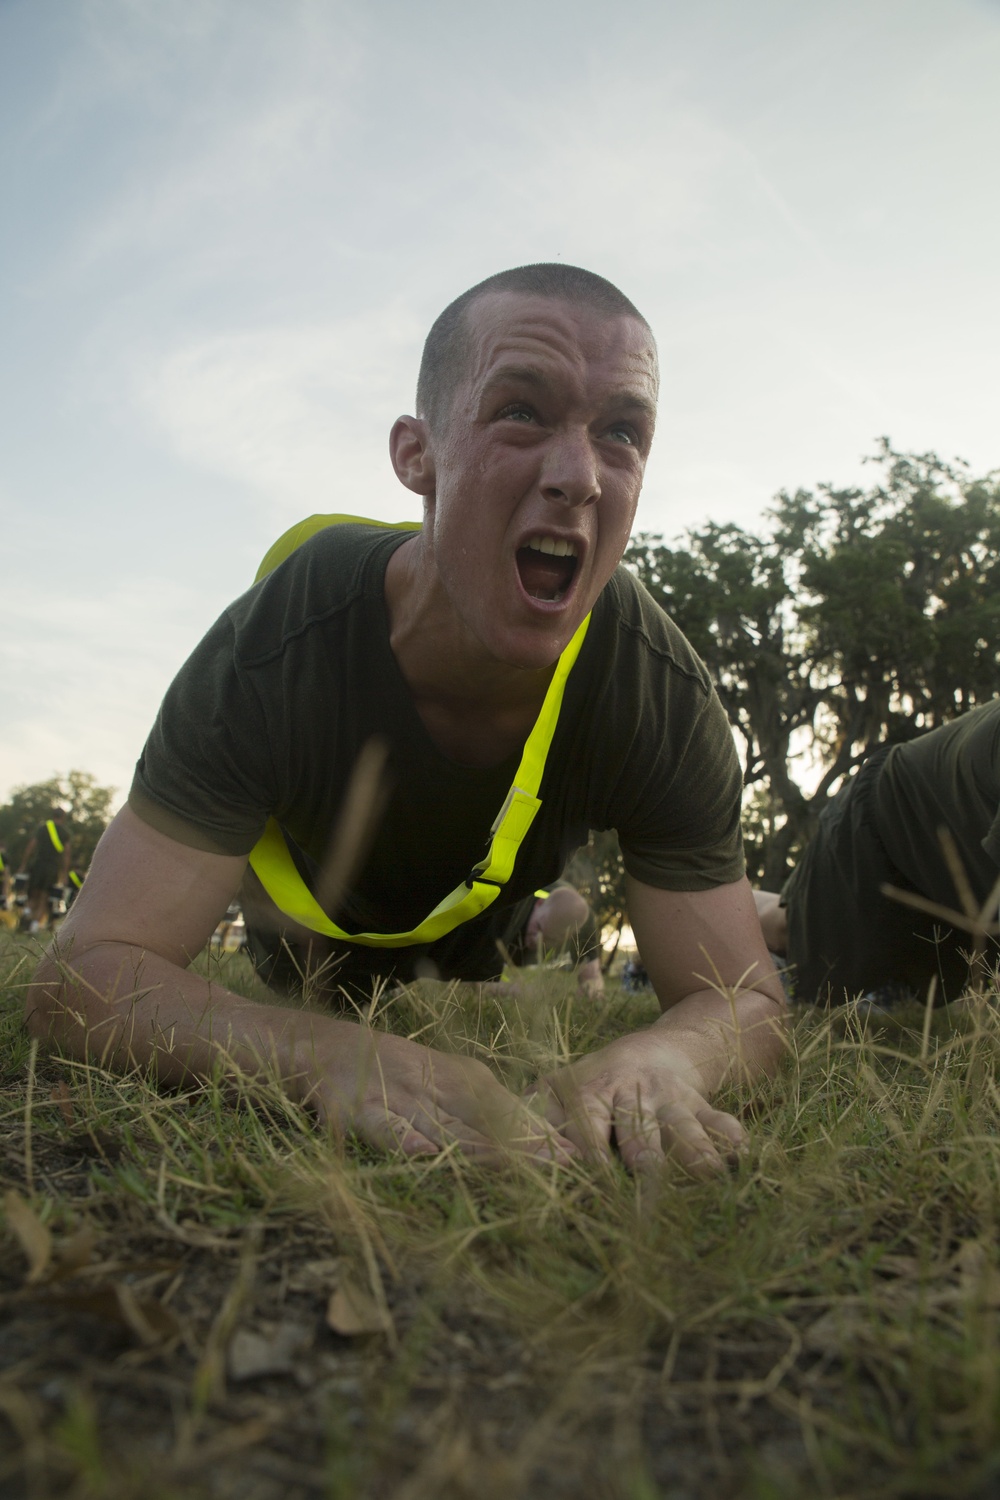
(535,416)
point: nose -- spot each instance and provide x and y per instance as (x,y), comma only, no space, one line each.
(570,473)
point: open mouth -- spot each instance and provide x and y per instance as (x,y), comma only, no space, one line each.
(546,567)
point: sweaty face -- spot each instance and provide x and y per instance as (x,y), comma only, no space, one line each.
(538,467)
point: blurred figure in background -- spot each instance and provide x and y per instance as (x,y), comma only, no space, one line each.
(46,863)
(7,917)
(561,922)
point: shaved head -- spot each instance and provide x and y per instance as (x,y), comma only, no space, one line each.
(446,347)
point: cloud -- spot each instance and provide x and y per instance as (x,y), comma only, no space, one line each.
(84,674)
(297,414)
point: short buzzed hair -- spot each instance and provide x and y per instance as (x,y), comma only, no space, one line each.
(446,345)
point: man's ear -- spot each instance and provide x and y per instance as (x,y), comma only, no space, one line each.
(412,458)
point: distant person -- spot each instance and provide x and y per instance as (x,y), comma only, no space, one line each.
(46,863)
(840,932)
(561,925)
(5,887)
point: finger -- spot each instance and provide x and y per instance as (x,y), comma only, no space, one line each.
(637,1133)
(725,1132)
(494,1114)
(685,1139)
(588,1126)
(392,1132)
(518,1132)
(545,1103)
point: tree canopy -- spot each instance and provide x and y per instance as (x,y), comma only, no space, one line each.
(88,805)
(851,617)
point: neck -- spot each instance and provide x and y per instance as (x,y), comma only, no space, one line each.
(476,709)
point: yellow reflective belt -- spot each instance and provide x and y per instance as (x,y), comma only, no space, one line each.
(273,864)
(53,835)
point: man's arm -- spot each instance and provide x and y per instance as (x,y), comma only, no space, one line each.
(723,1021)
(116,985)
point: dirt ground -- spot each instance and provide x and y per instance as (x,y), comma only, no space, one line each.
(203,1300)
(118,1377)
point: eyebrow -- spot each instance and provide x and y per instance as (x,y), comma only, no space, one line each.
(528,375)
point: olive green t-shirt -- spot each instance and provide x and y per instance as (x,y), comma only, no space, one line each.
(949,778)
(269,713)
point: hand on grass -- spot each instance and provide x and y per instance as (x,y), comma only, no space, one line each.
(643,1092)
(398,1094)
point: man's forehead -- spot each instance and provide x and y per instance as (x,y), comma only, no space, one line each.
(520,327)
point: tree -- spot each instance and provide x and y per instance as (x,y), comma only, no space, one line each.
(88,805)
(851,618)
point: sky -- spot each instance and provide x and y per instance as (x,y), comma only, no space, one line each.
(228,224)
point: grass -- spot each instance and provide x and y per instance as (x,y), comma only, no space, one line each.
(204,1295)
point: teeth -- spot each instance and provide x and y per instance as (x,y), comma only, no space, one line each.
(556,548)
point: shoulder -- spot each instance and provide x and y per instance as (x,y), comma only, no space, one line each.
(335,571)
(637,628)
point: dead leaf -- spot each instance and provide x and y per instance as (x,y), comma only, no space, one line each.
(76,1252)
(33,1236)
(148,1319)
(352,1311)
(251,1354)
(61,1095)
(145,1317)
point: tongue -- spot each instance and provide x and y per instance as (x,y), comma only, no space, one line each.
(542,575)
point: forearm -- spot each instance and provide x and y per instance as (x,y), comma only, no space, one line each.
(128,1007)
(727,1040)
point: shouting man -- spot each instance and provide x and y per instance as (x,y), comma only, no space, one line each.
(519,680)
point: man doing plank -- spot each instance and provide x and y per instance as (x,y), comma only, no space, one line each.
(505,661)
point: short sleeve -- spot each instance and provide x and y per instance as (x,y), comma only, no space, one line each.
(670,780)
(205,776)
(682,830)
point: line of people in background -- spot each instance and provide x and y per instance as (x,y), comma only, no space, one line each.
(45,885)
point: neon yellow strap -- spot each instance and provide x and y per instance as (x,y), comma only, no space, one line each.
(277,873)
(276,870)
(54,836)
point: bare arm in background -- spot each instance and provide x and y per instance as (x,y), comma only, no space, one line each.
(116,986)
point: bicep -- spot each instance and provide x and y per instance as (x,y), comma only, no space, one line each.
(151,892)
(694,940)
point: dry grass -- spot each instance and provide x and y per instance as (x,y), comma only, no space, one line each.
(204,1296)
